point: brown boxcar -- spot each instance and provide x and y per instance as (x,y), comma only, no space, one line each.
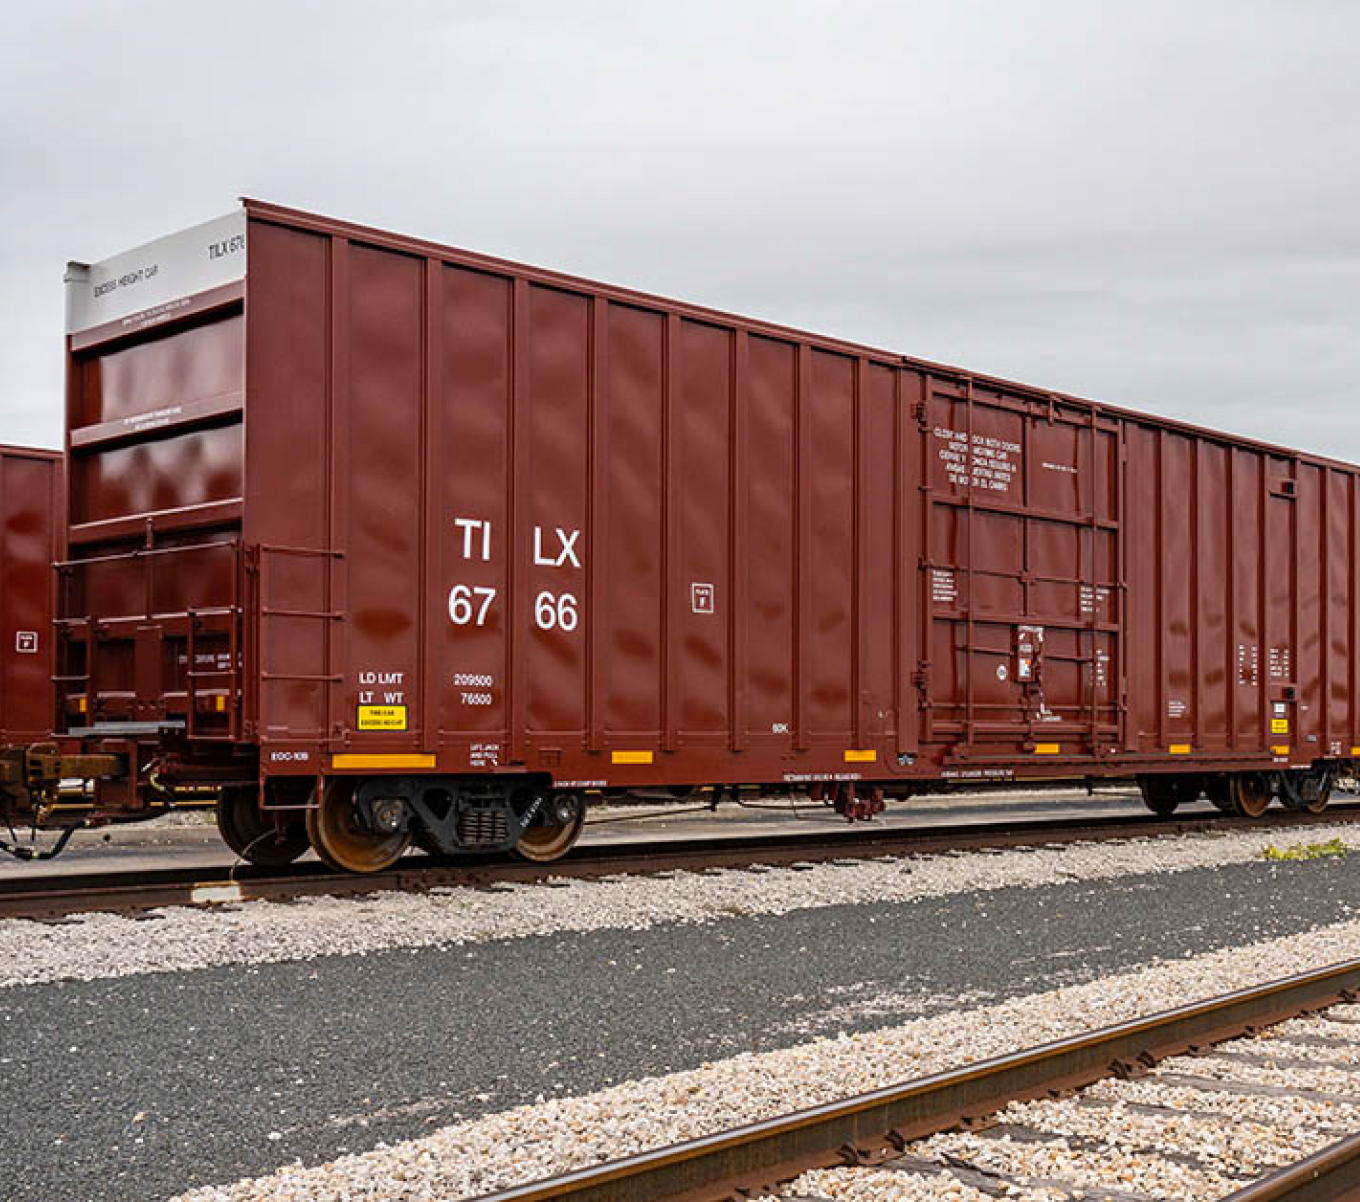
(30,499)
(418,543)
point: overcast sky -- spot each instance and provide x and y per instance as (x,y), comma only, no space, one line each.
(1152,204)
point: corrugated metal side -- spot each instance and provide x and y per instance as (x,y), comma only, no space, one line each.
(1196,596)
(1242,599)
(513,519)
(553,525)
(30,540)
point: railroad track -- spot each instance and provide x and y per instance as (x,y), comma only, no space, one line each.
(1243,1044)
(48,897)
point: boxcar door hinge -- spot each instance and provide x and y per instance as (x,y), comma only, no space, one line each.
(918,411)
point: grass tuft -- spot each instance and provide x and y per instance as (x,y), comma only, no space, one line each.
(1305,851)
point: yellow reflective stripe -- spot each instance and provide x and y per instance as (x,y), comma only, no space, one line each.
(1047,748)
(632,757)
(1179,749)
(349,759)
(861,757)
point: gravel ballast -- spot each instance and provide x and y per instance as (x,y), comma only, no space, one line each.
(553,1136)
(1149,1138)
(237,1069)
(136,1086)
(103,945)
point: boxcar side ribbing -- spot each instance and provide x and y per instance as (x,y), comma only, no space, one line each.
(348,508)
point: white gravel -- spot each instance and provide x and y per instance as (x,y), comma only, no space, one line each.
(888,1185)
(103,945)
(553,1136)
(1112,1167)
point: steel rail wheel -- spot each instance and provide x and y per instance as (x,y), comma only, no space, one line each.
(341,839)
(1218,789)
(1252,793)
(552,840)
(1162,794)
(1324,795)
(254,835)
(1295,788)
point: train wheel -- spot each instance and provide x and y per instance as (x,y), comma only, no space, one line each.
(1308,791)
(254,835)
(1218,789)
(551,840)
(342,840)
(1252,793)
(1322,797)
(1162,794)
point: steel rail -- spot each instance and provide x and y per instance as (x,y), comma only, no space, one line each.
(1329,1175)
(874,1127)
(49,896)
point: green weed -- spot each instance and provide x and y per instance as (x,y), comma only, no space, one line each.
(1305,851)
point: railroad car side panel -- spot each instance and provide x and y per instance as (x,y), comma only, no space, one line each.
(550,460)
(879,655)
(31,508)
(770,561)
(1243,536)
(1279,726)
(1208,584)
(569,485)
(1338,559)
(1176,597)
(382,475)
(698,482)
(825,661)
(470,429)
(628,586)
(1309,593)
(1242,597)
(294,429)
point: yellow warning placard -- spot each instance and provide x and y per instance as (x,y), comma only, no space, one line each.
(382,717)
(1279,726)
